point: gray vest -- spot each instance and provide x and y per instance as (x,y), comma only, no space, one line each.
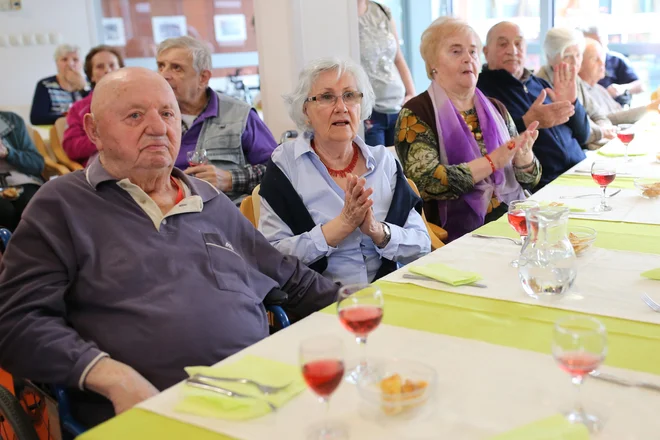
(221,137)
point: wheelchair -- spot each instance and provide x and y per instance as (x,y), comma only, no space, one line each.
(24,405)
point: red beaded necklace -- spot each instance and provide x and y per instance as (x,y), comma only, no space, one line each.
(349,168)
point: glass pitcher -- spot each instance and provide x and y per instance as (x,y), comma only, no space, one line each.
(547,264)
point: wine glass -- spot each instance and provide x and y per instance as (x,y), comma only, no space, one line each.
(626,134)
(579,346)
(603,172)
(518,220)
(197,157)
(322,364)
(360,310)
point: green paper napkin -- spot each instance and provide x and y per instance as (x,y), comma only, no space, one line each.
(265,371)
(446,274)
(653,274)
(551,428)
(570,208)
(617,149)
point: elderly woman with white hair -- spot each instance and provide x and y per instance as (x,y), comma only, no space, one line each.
(564,49)
(342,207)
(461,148)
(54,95)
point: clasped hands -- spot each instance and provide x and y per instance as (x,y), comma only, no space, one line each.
(357,212)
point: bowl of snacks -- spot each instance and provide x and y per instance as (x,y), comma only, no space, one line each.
(581,237)
(11,192)
(649,188)
(397,386)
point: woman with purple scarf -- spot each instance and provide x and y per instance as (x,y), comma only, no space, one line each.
(461,148)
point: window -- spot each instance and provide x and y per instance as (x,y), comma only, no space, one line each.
(227,26)
(629,26)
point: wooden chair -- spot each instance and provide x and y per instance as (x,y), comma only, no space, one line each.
(56,135)
(436,233)
(51,167)
(250,206)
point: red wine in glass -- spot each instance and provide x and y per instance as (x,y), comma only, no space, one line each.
(604,178)
(625,137)
(579,363)
(361,319)
(518,222)
(323,376)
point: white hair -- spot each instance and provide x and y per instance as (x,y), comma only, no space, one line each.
(64,49)
(557,40)
(296,100)
(201,54)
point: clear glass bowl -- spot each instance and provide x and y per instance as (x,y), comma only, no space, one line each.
(648,188)
(410,392)
(581,237)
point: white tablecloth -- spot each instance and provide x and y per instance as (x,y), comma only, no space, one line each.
(608,281)
(483,390)
(639,166)
(628,206)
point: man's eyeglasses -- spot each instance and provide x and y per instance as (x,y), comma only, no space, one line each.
(328,99)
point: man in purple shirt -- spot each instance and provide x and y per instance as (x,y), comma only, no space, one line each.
(237,143)
(121,275)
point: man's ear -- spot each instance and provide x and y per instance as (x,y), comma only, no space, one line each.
(485,51)
(91,128)
(204,78)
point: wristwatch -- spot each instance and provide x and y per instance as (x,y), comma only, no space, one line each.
(388,236)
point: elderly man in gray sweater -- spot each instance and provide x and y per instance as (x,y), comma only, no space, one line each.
(121,275)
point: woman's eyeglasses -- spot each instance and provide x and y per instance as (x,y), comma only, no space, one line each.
(328,99)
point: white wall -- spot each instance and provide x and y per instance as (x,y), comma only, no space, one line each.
(73,21)
(291,33)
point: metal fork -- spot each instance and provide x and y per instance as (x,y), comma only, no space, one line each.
(496,237)
(650,302)
(195,383)
(265,389)
(623,382)
(590,195)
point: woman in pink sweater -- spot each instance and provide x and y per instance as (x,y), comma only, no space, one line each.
(98,62)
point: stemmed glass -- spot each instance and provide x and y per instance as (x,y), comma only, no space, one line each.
(626,135)
(579,346)
(603,172)
(197,157)
(518,220)
(322,363)
(360,310)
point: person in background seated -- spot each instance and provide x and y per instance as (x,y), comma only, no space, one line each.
(620,77)
(341,206)
(563,123)
(563,45)
(237,142)
(592,70)
(20,168)
(454,142)
(382,59)
(100,61)
(55,94)
(122,274)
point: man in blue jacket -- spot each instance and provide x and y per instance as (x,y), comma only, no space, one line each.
(563,123)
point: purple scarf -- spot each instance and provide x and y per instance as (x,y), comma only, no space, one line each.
(457,145)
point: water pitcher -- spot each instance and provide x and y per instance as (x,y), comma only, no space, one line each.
(547,264)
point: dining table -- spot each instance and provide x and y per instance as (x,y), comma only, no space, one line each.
(490,347)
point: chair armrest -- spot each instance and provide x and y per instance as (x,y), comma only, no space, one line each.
(438,231)
(60,154)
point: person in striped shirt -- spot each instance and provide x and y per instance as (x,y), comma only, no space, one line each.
(54,95)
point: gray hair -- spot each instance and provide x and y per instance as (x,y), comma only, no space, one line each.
(64,49)
(557,40)
(201,54)
(296,100)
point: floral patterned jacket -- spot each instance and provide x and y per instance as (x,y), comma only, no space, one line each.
(417,146)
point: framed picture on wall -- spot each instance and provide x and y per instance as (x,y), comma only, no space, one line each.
(230,28)
(171,26)
(113,31)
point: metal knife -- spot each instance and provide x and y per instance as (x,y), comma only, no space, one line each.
(414,276)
